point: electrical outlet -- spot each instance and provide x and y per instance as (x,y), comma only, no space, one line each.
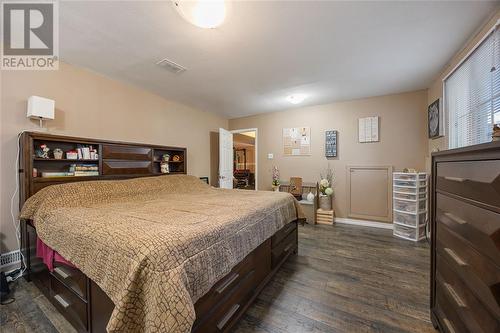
(270,156)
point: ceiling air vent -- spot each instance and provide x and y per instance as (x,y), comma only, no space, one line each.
(171,66)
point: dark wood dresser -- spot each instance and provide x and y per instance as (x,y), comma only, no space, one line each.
(465,227)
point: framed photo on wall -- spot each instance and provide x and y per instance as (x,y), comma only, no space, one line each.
(435,119)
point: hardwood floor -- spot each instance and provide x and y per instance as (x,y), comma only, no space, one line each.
(345,279)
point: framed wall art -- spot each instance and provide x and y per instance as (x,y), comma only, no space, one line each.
(435,120)
(331,143)
(368,129)
(297,141)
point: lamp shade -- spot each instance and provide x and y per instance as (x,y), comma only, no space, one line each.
(40,108)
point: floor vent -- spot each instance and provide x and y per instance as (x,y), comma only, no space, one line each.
(10,258)
(171,66)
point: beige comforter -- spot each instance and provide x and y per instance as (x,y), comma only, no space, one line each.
(155,245)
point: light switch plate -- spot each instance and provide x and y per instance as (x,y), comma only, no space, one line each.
(270,156)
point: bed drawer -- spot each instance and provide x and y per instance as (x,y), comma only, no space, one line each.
(480,274)
(71,306)
(476,180)
(283,248)
(72,278)
(113,167)
(282,233)
(472,311)
(126,152)
(481,227)
(224,315)
(225,286)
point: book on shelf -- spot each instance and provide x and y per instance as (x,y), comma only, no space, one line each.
(86,168)
(49,174)
(86,173)
(83,167)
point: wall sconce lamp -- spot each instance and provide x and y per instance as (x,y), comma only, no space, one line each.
(40,108)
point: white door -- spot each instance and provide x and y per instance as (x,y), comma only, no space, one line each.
(225,159)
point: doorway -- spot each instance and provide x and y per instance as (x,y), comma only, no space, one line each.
(238,159)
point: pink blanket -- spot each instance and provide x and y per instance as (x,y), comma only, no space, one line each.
(48,255)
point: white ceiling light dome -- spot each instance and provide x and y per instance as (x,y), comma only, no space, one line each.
(296,98)
(207,14)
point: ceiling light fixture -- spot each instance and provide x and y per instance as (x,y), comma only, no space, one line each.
(205,14)
(296,99)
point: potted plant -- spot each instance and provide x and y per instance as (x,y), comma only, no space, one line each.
(326,190)
(276,180)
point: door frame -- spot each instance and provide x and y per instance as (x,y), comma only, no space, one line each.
(256,130)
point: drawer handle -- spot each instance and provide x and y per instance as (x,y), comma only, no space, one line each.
(227,283)
(448,325)
(455,296)
(455,257)
(228,316)
(61,301)
(455,179)
(61,272)
(454,218)
(288,247)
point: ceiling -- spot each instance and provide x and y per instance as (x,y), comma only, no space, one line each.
(265,51)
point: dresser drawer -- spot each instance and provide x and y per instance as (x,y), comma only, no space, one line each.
(472,311)
(476,180)
(480,274)
(223,315)
(72,278)
(126,152)
(112,167)
(449,318)
(481,227)
(71,306)
(282,233)
(283,248)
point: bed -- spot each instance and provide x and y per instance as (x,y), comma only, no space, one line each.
(153,253)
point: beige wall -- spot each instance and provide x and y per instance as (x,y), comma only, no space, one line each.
(435,90)
(403,138)
(91,105)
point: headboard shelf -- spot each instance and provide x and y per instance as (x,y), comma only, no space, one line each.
(95,160)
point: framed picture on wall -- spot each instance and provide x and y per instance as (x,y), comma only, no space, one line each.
(435,120)
(331,143)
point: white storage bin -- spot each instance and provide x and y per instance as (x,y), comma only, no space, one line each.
(409,196)
(404,189)
(409,176)
(414,234)
(409,206)
(411,220)
(410,183)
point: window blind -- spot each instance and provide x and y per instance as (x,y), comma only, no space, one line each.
(472,95)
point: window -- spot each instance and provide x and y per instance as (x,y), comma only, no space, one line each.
(472,95)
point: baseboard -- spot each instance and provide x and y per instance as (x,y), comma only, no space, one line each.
(364,223)
(10,260)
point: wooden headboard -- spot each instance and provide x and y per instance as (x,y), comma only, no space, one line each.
(115,160)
